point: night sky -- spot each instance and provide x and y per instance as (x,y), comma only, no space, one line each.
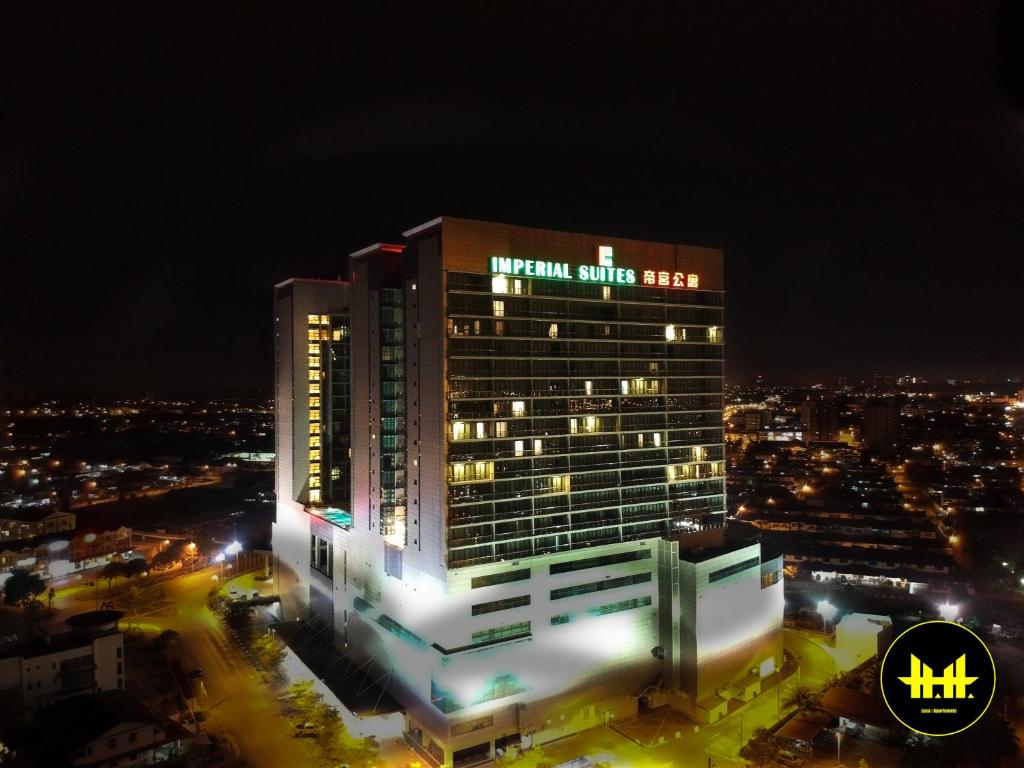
(162,168)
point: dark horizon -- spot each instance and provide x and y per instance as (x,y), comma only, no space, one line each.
(861,168)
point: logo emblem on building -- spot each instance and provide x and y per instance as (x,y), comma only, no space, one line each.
(938,705)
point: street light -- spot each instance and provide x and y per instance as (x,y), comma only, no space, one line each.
(827,611)
(949,611)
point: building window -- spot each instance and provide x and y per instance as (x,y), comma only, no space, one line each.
(588,387)
(600,586)
(518,408)
(606,292)
(553,331)
(481,430)
(501,429)
(501,605)
(460,430)
(624,605)
(509,630)
(320,551)
(498,307)
(562,618)
(519,448)
(538,447)
(314,496)
(502,577)
(715,334)
(599,562)
(732,570)
(499,284)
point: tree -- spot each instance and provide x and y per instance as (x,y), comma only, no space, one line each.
(269,651)
(22,588)
(139,600)
(762,749)
(804,699)
(112,571)
(303,700)
(135,567)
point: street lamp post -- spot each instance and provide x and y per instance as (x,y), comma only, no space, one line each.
(827,611)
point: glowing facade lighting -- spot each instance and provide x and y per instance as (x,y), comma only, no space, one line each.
(949,611)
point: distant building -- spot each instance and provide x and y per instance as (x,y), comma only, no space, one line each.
(28,522)
(882,424)
(819,418)
(106,729)
(494,444)
(87,658)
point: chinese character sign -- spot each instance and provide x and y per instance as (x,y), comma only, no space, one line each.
(670,279)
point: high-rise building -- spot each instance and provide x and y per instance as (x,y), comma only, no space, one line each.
(819,418)
(501,480)
(882,424)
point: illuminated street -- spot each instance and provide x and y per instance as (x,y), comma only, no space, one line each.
(238,703)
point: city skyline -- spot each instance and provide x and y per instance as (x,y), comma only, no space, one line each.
(862,176)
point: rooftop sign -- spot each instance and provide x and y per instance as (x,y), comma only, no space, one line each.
(604,272)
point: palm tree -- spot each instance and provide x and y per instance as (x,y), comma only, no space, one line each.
(804,699)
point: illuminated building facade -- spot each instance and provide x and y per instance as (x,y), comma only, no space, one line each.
(536,438)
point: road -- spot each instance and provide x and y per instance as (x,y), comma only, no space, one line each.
(237,702)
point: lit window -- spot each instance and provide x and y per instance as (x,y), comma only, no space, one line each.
(501,429)
(591,424)
(314,402)
(588,387)
(314,441)
(458,473)
(314,415)
(337,334)
(459,430)
(606,292)
(538,447)
(314,429)
(314,349)
(670,333)
(325,320)
(335,473)
(314,387)
(553,330)
(517,287)
(314,481)
(314,455)
(499,308)
(715,334)
(519,448)
(313,319)
(574,426)
(314,469)
(625,386)
(698,453)
(314,335)
(499,284)
(657,439)
(560,484)
(518,408)
(314,375)
(314,495)
(314,362)
(640,440)
(499,327)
